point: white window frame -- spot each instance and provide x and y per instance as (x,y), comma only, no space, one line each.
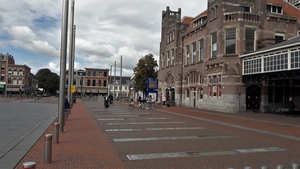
(187,54)
(214,45)
(194,52)
(168,58)
(172,56)
(201,50)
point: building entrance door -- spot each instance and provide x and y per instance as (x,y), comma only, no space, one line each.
(194,98)
(253,94)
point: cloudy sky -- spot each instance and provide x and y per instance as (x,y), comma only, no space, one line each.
(30,30)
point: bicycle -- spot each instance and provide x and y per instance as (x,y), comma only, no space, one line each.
(141,104)
(153,104)
(150,105)
(131,105)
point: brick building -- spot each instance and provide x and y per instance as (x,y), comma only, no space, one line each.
(90,81)
(199,58)
(16,79)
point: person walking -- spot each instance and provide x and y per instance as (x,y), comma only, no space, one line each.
(164,101)
(106,101)
(291,108)
(67,105)
(148,100)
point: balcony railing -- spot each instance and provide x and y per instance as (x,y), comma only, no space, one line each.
(241,17)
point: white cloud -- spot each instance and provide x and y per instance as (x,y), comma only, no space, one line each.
(105,30)
(23,33)
(54,66)
(24,37)
(102,50)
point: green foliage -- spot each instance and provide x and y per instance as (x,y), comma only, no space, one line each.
(145,68)
(48,80)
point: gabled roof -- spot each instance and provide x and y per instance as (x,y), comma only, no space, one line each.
(187,19)
(204,13)
(123,81)
(288,9)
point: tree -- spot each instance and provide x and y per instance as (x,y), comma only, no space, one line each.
(48,80)
(146,68)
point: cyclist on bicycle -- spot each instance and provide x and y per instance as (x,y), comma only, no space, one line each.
(131,102)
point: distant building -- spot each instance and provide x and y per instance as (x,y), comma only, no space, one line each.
(119,88)
(90,81)
(15,78)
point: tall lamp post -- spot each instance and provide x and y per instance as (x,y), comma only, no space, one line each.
(146,71)
(6,79)
(81,83)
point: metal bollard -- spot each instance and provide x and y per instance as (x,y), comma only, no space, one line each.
(56,133)
(263,167)
(29,165)
(295,166)
(48,149)
(279,166)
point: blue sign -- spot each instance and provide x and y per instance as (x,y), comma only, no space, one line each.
(152,87)
(152,83)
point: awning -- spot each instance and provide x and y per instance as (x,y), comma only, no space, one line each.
(30,89)
(13,89)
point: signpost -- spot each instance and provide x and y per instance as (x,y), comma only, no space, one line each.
(152,88)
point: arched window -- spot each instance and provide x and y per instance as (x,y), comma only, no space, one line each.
(200,91)
(187,93)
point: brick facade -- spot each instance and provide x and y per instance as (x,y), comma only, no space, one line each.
(199,56)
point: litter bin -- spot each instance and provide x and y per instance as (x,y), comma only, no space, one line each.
(74,99)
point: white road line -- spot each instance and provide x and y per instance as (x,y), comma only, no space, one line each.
(206,153)
(169,138)
(156,129)
(236,126)
(144,123)
(111,119)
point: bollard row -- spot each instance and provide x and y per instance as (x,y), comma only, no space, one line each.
(29,165)
(48,144)
(279,166)
(48,149)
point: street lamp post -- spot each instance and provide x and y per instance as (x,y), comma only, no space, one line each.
(81,83)
(146,71)
(6,79)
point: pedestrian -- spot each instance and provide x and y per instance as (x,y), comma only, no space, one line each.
(67,105)
(111,99)
(164,101)
(291,108)
(148,100)
(106,101)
